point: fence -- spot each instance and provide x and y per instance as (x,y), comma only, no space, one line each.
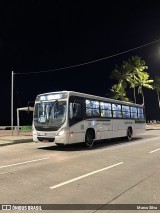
(21,128)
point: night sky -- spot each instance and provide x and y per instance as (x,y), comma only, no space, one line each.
(39,36)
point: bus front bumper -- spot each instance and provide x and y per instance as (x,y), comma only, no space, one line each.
(58,139)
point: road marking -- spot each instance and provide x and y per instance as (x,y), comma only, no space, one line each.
(119,145)
(154,151)
(83,176)
(16,164)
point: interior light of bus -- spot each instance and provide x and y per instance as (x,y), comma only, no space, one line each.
(97,104)
(102,104)
(87,101)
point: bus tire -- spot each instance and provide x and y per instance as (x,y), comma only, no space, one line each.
(129,134)
(60,144)
(89,138)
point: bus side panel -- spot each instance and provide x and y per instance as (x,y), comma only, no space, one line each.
(117,128)
(76,133)
(108,127)
(102,128)
(96,125)
(120,127)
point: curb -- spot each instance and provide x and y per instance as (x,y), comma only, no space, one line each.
(15,142)
(152,129)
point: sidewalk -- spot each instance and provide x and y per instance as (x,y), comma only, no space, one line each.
(6,137)
(153,127)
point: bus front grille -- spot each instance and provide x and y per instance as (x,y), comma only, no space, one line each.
(45,139)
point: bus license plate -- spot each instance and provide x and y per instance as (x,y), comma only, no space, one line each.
(45,141)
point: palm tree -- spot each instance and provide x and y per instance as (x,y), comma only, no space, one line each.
(137,65)
(118,92)
(143,81)
(133,83)
(122,73)
(131,72)
(156,87)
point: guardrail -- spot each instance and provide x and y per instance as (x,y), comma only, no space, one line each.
(21,128)
(25,128)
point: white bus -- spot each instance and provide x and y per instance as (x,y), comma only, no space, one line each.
(68,117)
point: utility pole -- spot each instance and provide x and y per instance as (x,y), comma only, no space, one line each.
(12,101)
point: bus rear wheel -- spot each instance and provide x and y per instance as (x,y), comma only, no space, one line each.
(129,134)
(89,138)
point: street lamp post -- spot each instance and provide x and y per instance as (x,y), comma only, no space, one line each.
(12,81)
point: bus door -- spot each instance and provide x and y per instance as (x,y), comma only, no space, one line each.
(76,123)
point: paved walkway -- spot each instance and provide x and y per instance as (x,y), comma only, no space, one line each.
(152,126)
(6,137)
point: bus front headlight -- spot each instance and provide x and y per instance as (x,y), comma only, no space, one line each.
(63,130)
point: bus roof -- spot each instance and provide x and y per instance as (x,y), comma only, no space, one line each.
(92,97)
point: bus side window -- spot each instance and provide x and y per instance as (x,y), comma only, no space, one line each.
(92,108)
(75,113)
(125,111)
(117,112)
(140,113)
(133,112)
(75,110)
(70,110)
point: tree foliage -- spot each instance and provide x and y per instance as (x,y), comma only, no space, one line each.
(118,92)
(131,73)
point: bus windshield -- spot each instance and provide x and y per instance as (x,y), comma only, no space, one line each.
(49,116)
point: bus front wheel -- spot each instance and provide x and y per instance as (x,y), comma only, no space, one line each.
(60,144)
(89,138)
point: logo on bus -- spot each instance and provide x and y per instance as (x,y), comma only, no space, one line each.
(128,122)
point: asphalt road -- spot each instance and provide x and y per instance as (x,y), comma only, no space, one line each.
(112,172)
